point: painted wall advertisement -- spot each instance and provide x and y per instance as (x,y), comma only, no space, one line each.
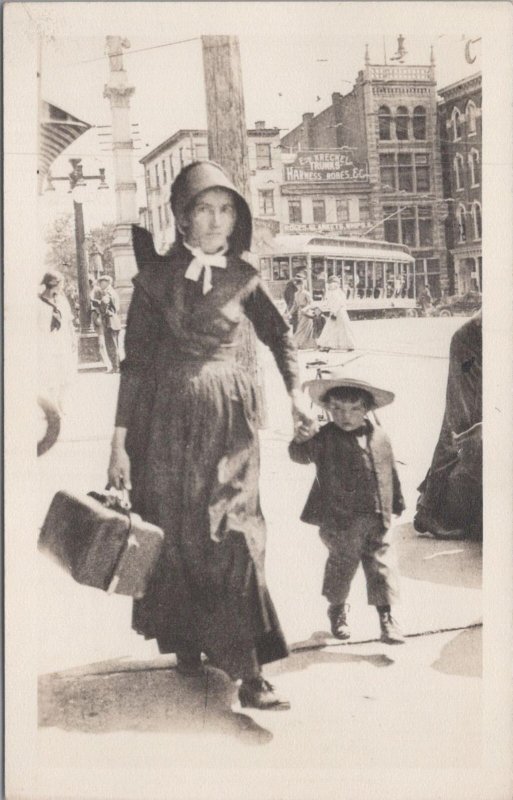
(328,165)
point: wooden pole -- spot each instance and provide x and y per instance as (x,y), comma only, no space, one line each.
(228,146)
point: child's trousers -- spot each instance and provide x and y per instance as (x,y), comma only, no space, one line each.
(365,540)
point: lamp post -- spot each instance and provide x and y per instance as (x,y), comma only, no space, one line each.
(88,344)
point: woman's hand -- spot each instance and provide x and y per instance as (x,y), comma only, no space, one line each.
(119,464)
(119,468)
(305,422)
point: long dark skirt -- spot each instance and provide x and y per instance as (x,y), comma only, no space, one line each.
(196,476)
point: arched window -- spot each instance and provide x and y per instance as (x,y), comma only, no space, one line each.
(385,121)
(460,220)
(470,114)
(473,163)
(476,214)
(456,123)
(419,122)
(458,171)
(402,123)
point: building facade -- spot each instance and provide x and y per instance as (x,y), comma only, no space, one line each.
(389,185)
(461,147)
(166,160)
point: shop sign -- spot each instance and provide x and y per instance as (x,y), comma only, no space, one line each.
(325,227)
(330,165)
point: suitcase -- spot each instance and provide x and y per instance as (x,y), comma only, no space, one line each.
(101,546)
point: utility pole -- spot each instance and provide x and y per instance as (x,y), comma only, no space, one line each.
(228,146)
(118,93)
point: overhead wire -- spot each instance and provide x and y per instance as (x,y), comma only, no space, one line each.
(133,52)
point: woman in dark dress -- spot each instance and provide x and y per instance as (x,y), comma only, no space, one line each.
(186,439)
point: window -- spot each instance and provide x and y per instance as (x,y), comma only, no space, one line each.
(266,201)
(476,214)
(265,269)
(171,168)
(425,226)
(470,114)
(295,214)
(422,177)
(387,171)
(263,156)
(164,173)
(456,123)
(319,210)
(364,209)
(458,171)
(405,170)
(159,211)
(157,178)
(407,220)
(147,175)
(384,121)
(473,162)
(402,123)
(166,214)
(419,122)
(342,209)
(460,221)
(391,224)
(401,174)
(150,221)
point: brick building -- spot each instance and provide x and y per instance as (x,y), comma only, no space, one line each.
(461,148)
(386,127)
(165,161)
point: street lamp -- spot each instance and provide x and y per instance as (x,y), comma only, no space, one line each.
(88,345)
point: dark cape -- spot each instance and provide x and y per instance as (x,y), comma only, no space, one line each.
(452,491)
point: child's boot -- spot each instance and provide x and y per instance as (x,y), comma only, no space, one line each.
(390,630)
(338,619)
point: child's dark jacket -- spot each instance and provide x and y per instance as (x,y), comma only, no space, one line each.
(336,495)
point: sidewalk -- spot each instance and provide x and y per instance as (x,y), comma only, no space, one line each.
(344,695)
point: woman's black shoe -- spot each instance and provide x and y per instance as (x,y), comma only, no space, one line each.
(258,693)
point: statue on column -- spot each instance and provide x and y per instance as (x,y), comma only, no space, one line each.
(114,49)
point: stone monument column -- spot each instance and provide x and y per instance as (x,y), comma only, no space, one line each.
(118,93)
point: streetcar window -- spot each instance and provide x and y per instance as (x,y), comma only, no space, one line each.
(281,268)
(265,269)
(379,285)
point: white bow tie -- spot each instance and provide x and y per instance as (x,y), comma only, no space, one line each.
(202,263)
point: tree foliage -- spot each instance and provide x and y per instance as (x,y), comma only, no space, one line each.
(61,252)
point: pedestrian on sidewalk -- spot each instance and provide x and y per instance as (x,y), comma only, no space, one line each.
(355,492)
(450,504)
(186,435)
(57,347)
(96,321)
(337,333)
(109,307)
(304,334)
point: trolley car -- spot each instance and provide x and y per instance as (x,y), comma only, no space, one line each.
(377,277)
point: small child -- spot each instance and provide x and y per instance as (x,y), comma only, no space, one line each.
(355,492)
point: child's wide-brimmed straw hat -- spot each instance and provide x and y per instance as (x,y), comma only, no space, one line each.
(338,377)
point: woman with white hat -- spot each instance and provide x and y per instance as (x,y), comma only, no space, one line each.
(186,435)
(337,334)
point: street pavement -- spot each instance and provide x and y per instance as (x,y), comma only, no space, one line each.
(361,704)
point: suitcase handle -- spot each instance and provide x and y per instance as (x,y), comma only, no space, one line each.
(118,498)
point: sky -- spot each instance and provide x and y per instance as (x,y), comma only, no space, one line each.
(293,55)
